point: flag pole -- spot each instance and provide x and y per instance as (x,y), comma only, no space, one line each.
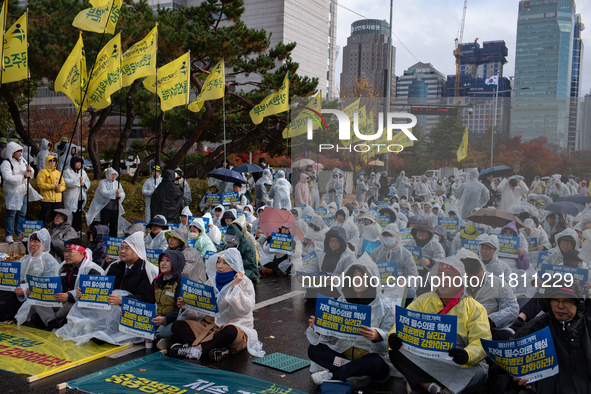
(28,109)
(492,134)
(224,110)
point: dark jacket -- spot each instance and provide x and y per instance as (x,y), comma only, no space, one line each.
(249,259)
(384,187)
(331,258)
(60,233)
(166,304)
(98,247)
(68,275)
(168,198)
(491,192)
(136,281)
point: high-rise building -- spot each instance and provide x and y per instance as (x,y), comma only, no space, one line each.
(586,123)
(477,64)
(573,118)
(420,85)
(365,60)
(543,70)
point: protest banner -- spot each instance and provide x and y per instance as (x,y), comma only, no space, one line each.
(96,290)
(387,269)
(199,296)
(328,220)
(383,204)
(340,319)
(406,213)
(532,357)
(223,231)
(320,211)
(405,233)
(416,251)
(356,212)
(471,245)
(213,198)
(113,245)
(208,254)
(307,258)
(136,318)
(425,334)
(10,275)
(383,220)
(44,289)
(153,254)
(280,243)
(542,256)
(508,246)
(307,218)
(449,223)
(29,227)
(368,246)
(302,206)
(230,197)
(532,244)
(550,272)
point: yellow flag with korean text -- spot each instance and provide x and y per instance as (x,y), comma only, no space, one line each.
(3,13)
(72,78)
(173,82)
(106,77)
(102,17)
(213,88)
(463,149)
(299,125)
(273,104)
(140,60)
(15,51)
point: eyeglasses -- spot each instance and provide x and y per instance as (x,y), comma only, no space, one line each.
(68,251)
(564,301)
(52,160)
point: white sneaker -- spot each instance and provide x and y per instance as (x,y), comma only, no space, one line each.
(9,239)
(319,377)
(164,343)
(187,351)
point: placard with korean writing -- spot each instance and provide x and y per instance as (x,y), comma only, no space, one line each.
(508,246)
(208,254)
(471,245)
(405,233)
(426,334)
(280,243)
(10,275)
(44,289)
(328,220)
(405,213)
(383,220)
(96,290)
(532,244)
(416,251)
(230,197)
(213,198)
(29,227)
(542,256)
(532,357)
(340,319)
(549,273)
(113,245)
(449,223)
(136,318)
(153,254)
(368,246)
(199,296)
(387,269)
(307,218)
(307,258)
(320,211)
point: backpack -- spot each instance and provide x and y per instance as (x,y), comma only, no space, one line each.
(11,169)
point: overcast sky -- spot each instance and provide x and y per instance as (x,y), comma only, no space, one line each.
(428,29)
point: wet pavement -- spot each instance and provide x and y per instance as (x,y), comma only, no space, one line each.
(281,327)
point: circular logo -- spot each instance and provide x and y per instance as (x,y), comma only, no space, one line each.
(526,4)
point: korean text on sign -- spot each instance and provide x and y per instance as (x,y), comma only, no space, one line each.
(231,197)
(280,243)
(508,246)
(550,272)
(449,223)
(340,319)
(10,275)
(136,318)
(44,289)
(96,290)
(387,270)
(152,255)
(416,251)
(471,245)
(199,296)
(213,198)
(29,227)
(113,245)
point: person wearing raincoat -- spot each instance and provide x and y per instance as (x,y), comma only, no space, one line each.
(280,192)
(392,249)
(531,231)
(60,230)
(427,214)
(203,205)
(565,240)
(38,262)
(314,237)
(553,224)
(184,185)
(423,235)
(511,190)
(441,233)
(168,200)
(218,214)
(250,218)
(361,189)
(194,268)
(51,186)
(488,248)
(341,219)
(236,238)
(368,354)
(469,232)
(96,237)
(185,214)
(77,183)
(156,238)
(403,186)
(282,263)
(203,242)
(301,193)
(374,186)
(261,189)
(370,231)
(335,188)
(107,202)
(296,213)
(423,187)
(148,189)
(466,370)
(45,150)
(233,328)
(472,195)
(522,261)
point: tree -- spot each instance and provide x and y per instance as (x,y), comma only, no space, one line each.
(445,139)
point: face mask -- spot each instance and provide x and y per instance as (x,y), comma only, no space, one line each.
(193,235)
(389,242)
(332,210)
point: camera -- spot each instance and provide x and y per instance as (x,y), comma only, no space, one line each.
(470,111)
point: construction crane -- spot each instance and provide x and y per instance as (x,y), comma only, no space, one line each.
(458,52)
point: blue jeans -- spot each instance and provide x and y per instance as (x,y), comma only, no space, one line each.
(20,215)
(164,331)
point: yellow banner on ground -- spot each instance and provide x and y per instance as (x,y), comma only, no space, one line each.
(29,351)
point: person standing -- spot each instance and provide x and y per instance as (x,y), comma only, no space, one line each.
(46,148)
(107,202)
(149,186)
(182,182)
(167,199)
(51,185)
(77,183)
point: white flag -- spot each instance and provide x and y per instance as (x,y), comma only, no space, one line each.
(494,80)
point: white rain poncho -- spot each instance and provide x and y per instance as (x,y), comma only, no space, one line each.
(401,220)
(335,188)
(345,258)
(43,152)
(537,233)
(403,186)
(349,226)
(429,215)
(214,232)
(496,266)
(203,243)
(158,242)
(382,319)
(147,190)
(511,196)
(369,232)
(71,195)
(262,188)
(298,212)
(217,221)
(556,255)
(280,192)
(314,237)
(235,304)
(249,211)
(404,261)
(471,195)
(105,192)
(63,158)
(13,171)
(360,189)
(432,250)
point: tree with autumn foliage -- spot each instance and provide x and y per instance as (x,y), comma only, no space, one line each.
(533,156)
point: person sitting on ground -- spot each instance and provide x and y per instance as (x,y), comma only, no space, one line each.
(565,240)
(370,231)
(522,261)
(488,249)
(228,217)
(368,355)
(218,214)
(203,205)
(282,263)
(235,238)
(314,237)
(423,235)
(156,238)
(96,237)
(341,219)
(194,267)
(233,329)
(185,217)
(60,230)
(243,201)
(469,232)
(441,233)
(197,232)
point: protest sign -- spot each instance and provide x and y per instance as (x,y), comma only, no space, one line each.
(29,227)
(542,256)
(549,273)
(508,246)
(96,290)
(532,357)
(532,244)
(208,254)
(199,296)
(320,211)
(307,218)
(340,319)
(416,251)
(449,223)
(230,197)
(387,270)
(405,233)
(328,220)
(136,318)
(153,254)
(383,204)
(280,243)
(368,246)
(113,245)
(383,220)
(44,289)
(425,334)
(307,258)
(10,275)
(213,198)
(471,245)
(406,213)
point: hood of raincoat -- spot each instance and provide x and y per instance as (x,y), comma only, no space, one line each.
(220,207)
(339,233)
(474,174)
(232,257)
(168,176)
(423,225)
(45,144)
(390,212)
(178,264)
(393,230)
(570,235)
(186,212)
(45,240)
(47,166)
(229,214)
(135,228)
(98,232)
(468,254)
(241,223)
(110,171)
(198,223)
(250,210)
(529,223)
(332,205)
(367,266)
(68,214)
(179,233)
(440,230)
(280,174)
(10,148)
(73,162)
(137,244)
(342,210)
(317,221)
(512,226)
(298,212)
(489,240)
(303,178)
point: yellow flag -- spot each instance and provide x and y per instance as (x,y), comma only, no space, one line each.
(362,124)
(463,149)
(73,77)
(274,103)
(99,18)
(213,87)
(106,77)
(3,13)
(402,139)
(173,82)
(16,54)
(140,60)
(299,125)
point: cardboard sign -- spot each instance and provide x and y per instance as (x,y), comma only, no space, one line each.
(280,243)
(153,254)
(10,275)
(387,270)
(508,246)
(213,198)
(96,290)
(449,223)
(113,245)
(199,296)
(231,197)
(136,318)
(44,289)
(417,253)
(29,227)
(340,319)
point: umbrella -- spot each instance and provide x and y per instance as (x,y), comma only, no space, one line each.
(495,171)
(271,219)
(545,178)
(577,199)
(317,166)
(494,218)
(227,175)
(250,168)
(566,207)
(302,163)
(377,163)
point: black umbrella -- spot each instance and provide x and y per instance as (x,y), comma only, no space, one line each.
(495,171)
(566,207)
(250,168)
(577,199)
(227,175)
